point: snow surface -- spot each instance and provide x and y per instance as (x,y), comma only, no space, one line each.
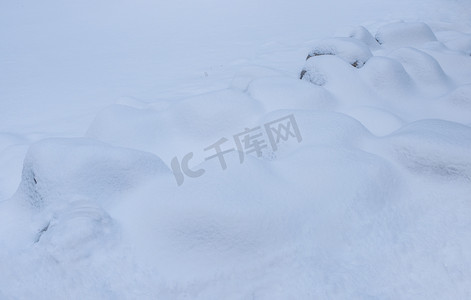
(97,99)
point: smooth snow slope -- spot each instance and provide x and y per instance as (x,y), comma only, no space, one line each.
(96,98)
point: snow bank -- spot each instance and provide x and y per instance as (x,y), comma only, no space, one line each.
(362,34)
(433,148)
(56,169)
(403,34)
(331,70)
(460,97)
(188,124)
(413,77)
(424,70)
(78,231)
(462,44)
(239,224)
(340,214)
(353,51)
(387,76)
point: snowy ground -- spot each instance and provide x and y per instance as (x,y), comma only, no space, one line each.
(100,101)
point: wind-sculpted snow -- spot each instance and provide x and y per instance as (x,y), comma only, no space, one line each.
(368,199)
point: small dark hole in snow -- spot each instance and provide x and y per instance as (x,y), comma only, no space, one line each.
(302,74)
(318,54)
(35,181)
(42,231)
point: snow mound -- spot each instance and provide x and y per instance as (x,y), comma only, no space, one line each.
(455,40)
(231,225)
(411,73)
(342,81)
(404,34)
(424,70)
(456,105)
(433,147)
(462,44)
(460,97)
(352,50)
(340,213)
(362,34)
(387,76)
(77,232)
(322,128)
(368,181)
(187,124)
(331,70)
(239,224)
(56,169)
